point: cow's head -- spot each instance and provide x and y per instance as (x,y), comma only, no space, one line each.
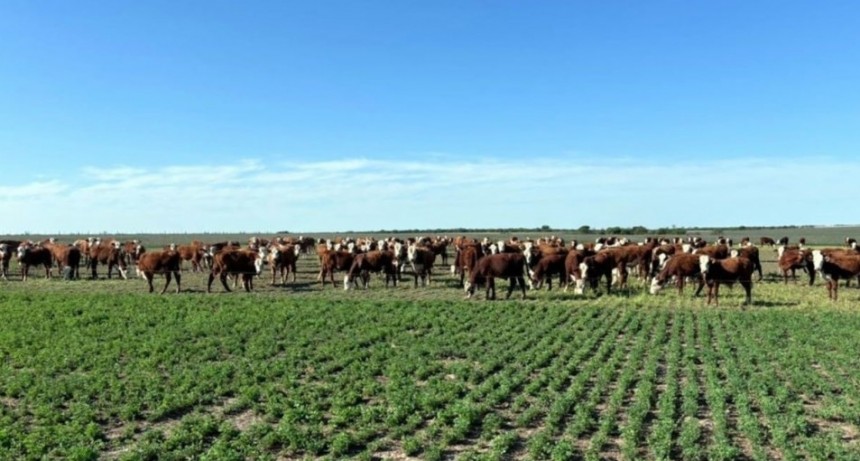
(780,250)
(139,248)
(275,254)
(297,250)
(656,285)
(412,253)
(258,263)
(583,275)
(705,263)
(116,244)
(734,253)
(818,259)
(22,251)
(470,288)
(4,250)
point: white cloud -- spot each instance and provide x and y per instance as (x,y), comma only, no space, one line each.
(443,191)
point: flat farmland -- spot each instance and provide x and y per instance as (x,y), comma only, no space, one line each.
(103,370)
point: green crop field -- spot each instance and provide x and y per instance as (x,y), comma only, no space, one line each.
(102,369)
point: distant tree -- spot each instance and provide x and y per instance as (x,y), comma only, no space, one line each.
(584,229)
(545,227)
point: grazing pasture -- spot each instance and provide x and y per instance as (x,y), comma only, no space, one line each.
(103,369)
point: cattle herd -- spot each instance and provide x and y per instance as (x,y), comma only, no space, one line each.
(523,263)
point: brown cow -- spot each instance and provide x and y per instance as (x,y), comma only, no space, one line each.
(29,255)
(719,251)
(332,261)
(110,254)
(421,259)
(767,241)
(66,256)
(547,267)
(728,271)
(465,260)
(239,263)
(282,259)
(603,264)
(374,261)
(835,266)
(571,266)
(750,252)
(791,259)
(680,266)
(508,265)
(194,253)
(161,262)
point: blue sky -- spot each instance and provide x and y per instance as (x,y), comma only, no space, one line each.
(313,116)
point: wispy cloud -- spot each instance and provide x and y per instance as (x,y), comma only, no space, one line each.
(366,194)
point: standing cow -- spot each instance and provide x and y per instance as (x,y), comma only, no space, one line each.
(505,265)
(160,262)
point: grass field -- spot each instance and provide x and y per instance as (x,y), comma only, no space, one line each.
(101,369)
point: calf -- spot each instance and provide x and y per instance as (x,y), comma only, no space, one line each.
(34,256)
(239,263)
(603,264)
(507,265)
(331,261)
(681,266)
(834,266)
(161,262)
(728,271)
(365,263)
(782,241)
(571,266)
(282,259)
(546,268)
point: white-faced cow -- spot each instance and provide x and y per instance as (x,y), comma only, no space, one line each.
(109,254)
(6,252)
(421,259)
(835,266)
(282,260)
(29,255)
(680,267)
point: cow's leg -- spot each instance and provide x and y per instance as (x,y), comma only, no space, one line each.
(209,284)
(223,277)
(522,282)
(48,270)
(716,293)
(747,284)
(148,276)
(178,277)
(93,264)
(834,284)
(512,283)
(167,277)
(293,270)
